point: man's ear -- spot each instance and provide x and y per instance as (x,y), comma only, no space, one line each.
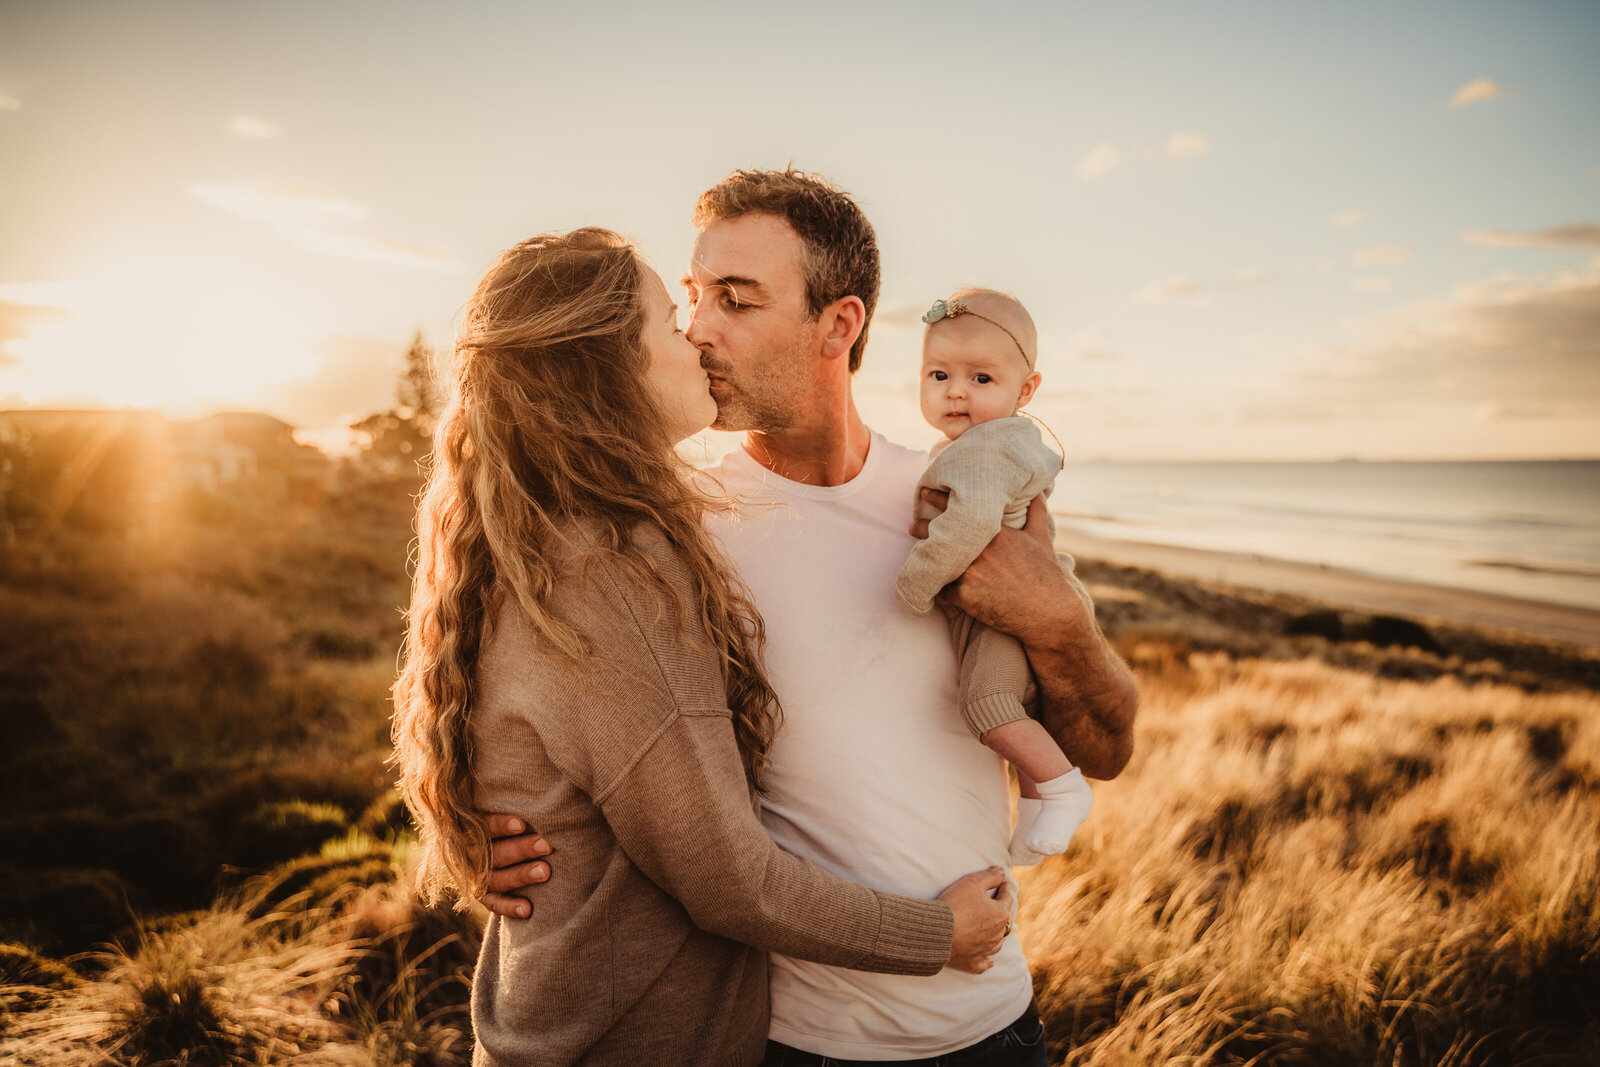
(1029,387)
(840,323)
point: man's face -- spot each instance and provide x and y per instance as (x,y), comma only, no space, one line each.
(748,316)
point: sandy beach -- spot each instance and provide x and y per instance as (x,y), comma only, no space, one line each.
(1418,600)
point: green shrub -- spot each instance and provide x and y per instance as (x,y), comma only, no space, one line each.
(62,907)
(285,830)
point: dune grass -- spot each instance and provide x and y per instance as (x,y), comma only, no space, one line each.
(1324,852)
(177,707)
(1311,865)
(353,975)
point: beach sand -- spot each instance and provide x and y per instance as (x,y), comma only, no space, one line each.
(1431,604)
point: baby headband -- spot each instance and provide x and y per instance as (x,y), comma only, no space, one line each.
(949,309)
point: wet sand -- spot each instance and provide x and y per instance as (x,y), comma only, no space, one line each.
(1367,592)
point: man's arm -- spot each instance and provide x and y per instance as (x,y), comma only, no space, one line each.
(512,845)
(1088,697)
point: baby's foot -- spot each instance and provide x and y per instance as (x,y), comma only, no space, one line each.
(1027,812)
(1063,805)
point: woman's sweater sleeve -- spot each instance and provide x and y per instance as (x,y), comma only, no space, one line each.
(649,736)
(684,817)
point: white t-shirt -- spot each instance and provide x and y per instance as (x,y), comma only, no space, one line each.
(873,775)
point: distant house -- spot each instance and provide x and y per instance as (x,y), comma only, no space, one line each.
(243,449)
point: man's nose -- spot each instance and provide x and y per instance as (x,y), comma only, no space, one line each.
(698,330)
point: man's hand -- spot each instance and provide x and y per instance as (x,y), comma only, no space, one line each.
(982,921)
(513,845)
(1016,585)
(1002,588)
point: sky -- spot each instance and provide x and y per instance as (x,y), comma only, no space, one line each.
(1246,230)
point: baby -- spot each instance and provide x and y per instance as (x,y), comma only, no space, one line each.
(978,355)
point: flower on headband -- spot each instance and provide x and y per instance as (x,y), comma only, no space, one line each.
(949,309)
(943,309)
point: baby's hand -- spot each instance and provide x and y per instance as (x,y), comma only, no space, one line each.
(939,499)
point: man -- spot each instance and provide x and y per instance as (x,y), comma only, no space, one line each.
(873,775)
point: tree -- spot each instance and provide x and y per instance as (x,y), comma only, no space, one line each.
(417,392)
(399,440)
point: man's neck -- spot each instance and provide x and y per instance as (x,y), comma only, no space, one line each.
(826,452)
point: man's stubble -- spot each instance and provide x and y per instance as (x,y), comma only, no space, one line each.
(769,397)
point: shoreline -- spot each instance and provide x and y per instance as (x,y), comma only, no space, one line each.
(1421,600)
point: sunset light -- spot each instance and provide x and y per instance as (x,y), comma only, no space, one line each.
(1089,556)
(162,330)
(1233,248)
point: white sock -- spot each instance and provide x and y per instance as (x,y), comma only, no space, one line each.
(1027,811)
(1064,804)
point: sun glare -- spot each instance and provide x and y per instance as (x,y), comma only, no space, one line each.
(180,334)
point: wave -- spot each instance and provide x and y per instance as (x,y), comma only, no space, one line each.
(1560,569)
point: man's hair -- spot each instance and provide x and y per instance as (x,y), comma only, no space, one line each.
(839,249)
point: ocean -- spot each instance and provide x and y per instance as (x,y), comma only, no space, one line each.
(1523,529)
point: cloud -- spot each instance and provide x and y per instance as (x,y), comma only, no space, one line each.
(310,219)
(278,205)
(1347,218)
(1387,255)
(1187,145)
(354,377)
(1473,92)
(899,316)
(251,128)
(1101,160)
(1509,345)
(9,103)
(17,321)
(1576,235)
(1179,287)
(1187,289)
(1093,346)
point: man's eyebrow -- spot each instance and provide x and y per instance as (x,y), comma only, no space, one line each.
(731,281)
(672,313)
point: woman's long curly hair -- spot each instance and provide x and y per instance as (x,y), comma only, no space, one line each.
(547,421)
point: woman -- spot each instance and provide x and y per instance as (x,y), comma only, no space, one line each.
(578,657)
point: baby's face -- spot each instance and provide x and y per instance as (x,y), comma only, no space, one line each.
(971,373)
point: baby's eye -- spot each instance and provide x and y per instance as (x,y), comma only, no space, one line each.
(938,375)
(982,379)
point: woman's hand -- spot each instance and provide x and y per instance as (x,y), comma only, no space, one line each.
(982,921)
(512,845)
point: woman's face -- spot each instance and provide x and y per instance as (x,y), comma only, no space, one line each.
(673,374)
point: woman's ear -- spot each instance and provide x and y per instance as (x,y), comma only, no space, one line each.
(1028,388)
(842,322)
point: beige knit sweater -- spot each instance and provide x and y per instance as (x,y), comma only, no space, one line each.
(648,944)
(991,473)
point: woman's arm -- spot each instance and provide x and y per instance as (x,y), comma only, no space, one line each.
(683,816)
(646,733)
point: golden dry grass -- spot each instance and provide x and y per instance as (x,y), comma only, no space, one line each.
(1309,865)
(1324,852)
(359,977)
